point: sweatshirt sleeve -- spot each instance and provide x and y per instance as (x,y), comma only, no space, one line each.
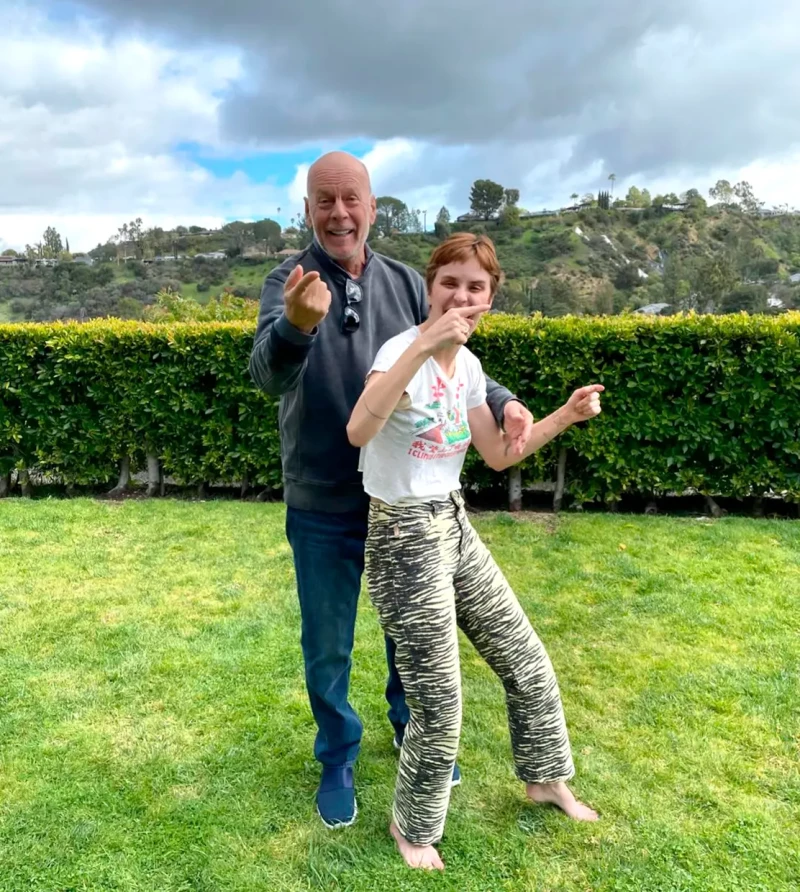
(497,397)
(280,351)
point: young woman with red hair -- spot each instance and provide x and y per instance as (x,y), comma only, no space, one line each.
(428,572)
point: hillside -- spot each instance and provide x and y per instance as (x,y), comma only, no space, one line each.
(607,261)
(588,260)
(74,291)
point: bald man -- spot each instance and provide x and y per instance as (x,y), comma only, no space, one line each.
(324,314)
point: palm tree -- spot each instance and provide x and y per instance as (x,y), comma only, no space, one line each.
(612,177)
(574,197)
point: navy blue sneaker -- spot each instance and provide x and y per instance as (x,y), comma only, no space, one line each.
(398,745)
(336,796)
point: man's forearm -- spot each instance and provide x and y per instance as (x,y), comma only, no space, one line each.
(280,355)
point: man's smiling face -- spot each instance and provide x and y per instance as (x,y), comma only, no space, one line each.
(340,206)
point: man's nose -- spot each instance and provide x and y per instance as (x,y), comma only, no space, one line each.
(339,209)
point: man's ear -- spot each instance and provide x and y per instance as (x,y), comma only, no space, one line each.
(308,214)
(373,210)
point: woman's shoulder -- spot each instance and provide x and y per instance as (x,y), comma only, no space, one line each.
(471,362)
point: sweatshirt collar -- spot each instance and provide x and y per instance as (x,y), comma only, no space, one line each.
(333,267)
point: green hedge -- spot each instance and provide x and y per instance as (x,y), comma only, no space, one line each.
(707,403)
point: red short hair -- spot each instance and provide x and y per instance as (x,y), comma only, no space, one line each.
(462,247)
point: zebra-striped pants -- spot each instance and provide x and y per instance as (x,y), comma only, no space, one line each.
(427,572)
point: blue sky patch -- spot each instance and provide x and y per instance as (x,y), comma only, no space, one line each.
(274,168)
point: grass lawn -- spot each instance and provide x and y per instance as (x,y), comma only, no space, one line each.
(155,734)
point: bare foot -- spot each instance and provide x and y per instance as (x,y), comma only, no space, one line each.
(424,857)
(561,796)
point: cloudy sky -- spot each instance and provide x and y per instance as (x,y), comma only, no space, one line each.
(199,111)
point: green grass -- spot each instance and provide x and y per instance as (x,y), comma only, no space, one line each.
(155,734)
(5,312)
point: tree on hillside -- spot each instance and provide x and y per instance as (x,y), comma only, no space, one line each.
(304,232)
(51,241)
(603,200)
(744,192)
(268,232)
(486,198)
(122,240)
(239,234)
(10,252)
(693,199)
(511,197)
(714,277)
(156,241)
(646,200)
(574,197)
(392,215)
(414,224)
(628,278)
(747,298)
(634,198)
(722,192)
(442,225)
(136,235)
(553,297)
(509,216)
(612,178)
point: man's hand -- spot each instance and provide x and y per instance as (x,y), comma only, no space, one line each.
(518,422)
(583,404)
(306,299)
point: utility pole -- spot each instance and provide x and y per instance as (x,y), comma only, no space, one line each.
(424,221)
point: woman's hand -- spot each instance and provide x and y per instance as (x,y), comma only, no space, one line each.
(583,404)
(451,330)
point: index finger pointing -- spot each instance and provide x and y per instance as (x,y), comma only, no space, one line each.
(472,311)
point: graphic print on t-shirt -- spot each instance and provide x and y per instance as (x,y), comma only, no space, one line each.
(445,431)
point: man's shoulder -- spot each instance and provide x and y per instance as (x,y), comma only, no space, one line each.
(397,269)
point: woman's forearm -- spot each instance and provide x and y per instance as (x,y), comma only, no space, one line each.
(541,434)
(381,396)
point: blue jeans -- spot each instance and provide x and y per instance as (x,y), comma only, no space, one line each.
(328,554)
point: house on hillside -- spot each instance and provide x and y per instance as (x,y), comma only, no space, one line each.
(83,259)
(7,260)
(653,310)
(286,252)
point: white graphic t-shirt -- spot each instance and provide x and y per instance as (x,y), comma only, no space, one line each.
(419,453)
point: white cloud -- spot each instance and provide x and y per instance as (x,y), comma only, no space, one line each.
(92,114)
(89,130)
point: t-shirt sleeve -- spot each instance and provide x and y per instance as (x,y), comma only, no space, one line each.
(388,355)
(476,395)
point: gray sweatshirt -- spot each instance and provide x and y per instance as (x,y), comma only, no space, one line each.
(319,377)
